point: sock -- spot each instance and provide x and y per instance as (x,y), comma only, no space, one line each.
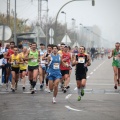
(79,91)
(31,82)
(34,84)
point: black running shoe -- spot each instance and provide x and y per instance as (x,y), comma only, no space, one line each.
(23,88)
(13,90)
(115,86)
(32,92)
(68,87)
(65,90)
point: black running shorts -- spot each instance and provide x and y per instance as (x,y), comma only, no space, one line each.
(31,68)
(80,76)
(63,72)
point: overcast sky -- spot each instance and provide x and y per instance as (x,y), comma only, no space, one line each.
(105,14)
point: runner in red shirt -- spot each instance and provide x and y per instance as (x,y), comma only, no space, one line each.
(8,66)
(65,67)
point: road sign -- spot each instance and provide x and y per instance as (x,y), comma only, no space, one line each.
(51,32)
(5,32)
(51,40)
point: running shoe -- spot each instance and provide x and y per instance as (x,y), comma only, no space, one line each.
(32,91)
(53,101)
(47,90)
(115,86)
(65,90)
(79,98)
(41,87)
(13,90)
(23,88)
(82,92)
(68,87)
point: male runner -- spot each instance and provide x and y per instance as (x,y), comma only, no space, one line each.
(53,71)
(23,66)
(33,56)
(14,61)
(114,63)
(81,61)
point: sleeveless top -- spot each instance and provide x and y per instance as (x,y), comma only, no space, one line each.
(82,59)
(23,66)
(54,65)
(14,59)
(66,56)
(33,62)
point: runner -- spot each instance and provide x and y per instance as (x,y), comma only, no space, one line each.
(65,67)
(81,61)
(45,56)
(114,63)
(14,61)
(33,65)
(42,67)
(118,65)
(102,52)
(23,66)
(53,71)
(8,65)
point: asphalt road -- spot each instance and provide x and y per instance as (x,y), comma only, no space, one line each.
(101,101)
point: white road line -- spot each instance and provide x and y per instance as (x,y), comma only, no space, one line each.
(94,70)
(75,88)
(112,93)
(88,77)
(68,107)
(68,96)
(91,73)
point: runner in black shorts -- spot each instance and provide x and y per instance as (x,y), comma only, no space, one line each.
(81,61)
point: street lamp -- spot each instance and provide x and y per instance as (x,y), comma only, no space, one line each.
(74,20)
(93,4)
(65,26)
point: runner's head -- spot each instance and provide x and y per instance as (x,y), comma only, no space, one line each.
(7,46)
(24,49)
(34,46)
(81,49)
(117,45)
(55,49)
(62,46)
(49,48)
(65,48)
(42,46)
(16,50)
(12,44)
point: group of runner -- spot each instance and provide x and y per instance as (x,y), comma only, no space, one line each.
(52,66)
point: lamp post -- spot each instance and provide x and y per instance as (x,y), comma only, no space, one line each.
(65,26)
(81,35)
(15,39)
(93,4)
(74,22)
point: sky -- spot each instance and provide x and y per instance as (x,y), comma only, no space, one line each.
(105,14)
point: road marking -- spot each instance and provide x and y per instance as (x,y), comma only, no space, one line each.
(91,73)
(112,93)
(88,77)
(75,88)
(68,107)
(94,70)
(68,96)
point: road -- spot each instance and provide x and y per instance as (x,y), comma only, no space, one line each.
(101,101)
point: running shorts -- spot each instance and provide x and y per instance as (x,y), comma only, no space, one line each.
(31,68)
(80,76)
(63,72)
(22,70)
(16,70)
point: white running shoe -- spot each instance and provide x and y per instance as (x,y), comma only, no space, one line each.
(47,90)
(54,101)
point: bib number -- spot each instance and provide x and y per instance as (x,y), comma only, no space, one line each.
(81,60)
(56,66)
(34,60)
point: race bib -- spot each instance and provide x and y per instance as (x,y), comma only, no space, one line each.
(81,60)
(56,66)
(34,60)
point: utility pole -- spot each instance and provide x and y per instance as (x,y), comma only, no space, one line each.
(8,12)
